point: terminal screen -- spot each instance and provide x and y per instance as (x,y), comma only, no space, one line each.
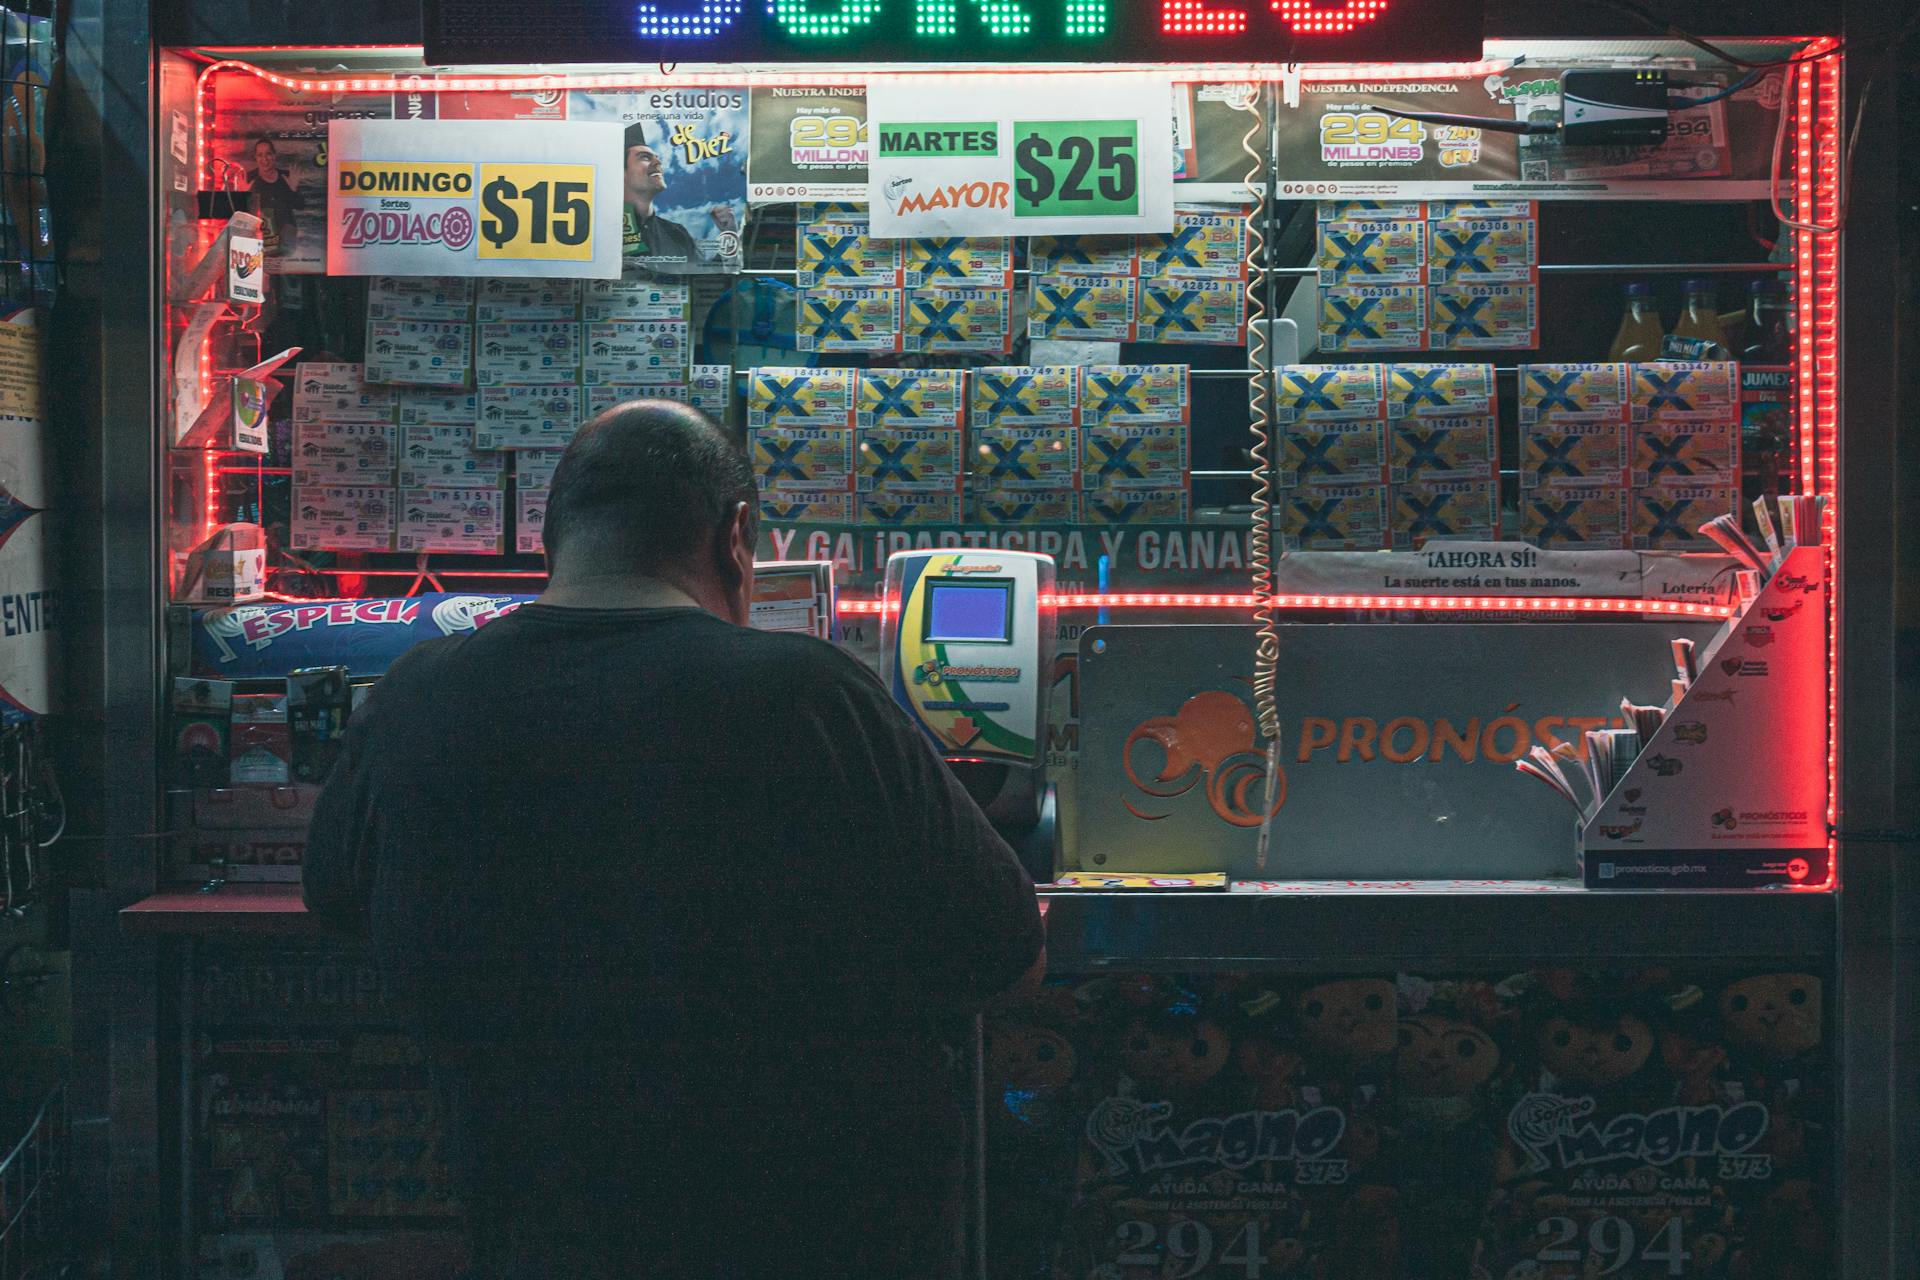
(976,611)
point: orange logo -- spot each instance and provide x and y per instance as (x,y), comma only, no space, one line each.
(1210,738)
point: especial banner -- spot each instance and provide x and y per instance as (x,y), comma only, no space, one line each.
(464,198)
(265,641)
(1340,143)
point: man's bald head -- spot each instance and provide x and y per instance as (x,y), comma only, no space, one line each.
(648,487)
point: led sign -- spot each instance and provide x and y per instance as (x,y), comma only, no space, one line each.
(946,31)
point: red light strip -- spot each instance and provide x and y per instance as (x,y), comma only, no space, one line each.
(1826,373)
(1459,604)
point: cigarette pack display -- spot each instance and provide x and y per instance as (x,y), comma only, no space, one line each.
(1556,517)
(635,352)
(898,508)
(519,299)
(1673,392)
(446,519)
(1320,518)
(421,353)
(1113,504)
(1318,392)
(898,459)
(1082,307)
(993,505)
(850,319)
(529,519)
(802,459)
(318,703)
(440,298)
(356,518)
(800,397)
(1440,390)
(327,453)
(1373,317)
(1135,393)
(954,263)
(1372,251)
(1483,250)
(331,392)
(1128,455)
(1333,453)
(947,319)
(1210,312)
(445,457)
(1022,456)
(1024,395)
(912,398)
(1573,392)
(527,417)
(791,507)
(1472,316)
(1083,255)
(418,407)
(1573,453)
(1685,453)
(603,301)
(525,353)
(840,254)
(1208,242)
(261,747)
(1445,511)
(1431,449)
(1668,517)
(202,720)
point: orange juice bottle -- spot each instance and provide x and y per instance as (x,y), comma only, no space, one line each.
(1640,332)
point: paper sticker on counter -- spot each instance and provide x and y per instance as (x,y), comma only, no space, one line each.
(447,519)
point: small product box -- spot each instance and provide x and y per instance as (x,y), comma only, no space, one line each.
(802,459)
(445,519)
(1434,449)
(1090,255)
(261,748)
(1573,392)
(1317,518)
(1445,511)
(527,417)
(958,319)
(502,301)
(1669,392)
(202,720)
(911,398)
(328,453)
(1024,395)
(1210,312)
(1373,317)
(990,505)
(229,566)
(1574,454)
(1128,455)
(950,262)
(424,408)
(343,518)
(1136,394)
(800,397)
(1208,242)
(1372,251)
(839,254)
(851,319)
(1333,453)
(445,299)
(635,352)
(1117,505)
(1083,308)
(444,457)
(524,353)
(1686,453)
(900,509)
(1321,392)
(1668,517)
(1440,390)
(896,459)
(421,353)
(1556,518)
(1484,317)
(1022,456)
(319,699)
(790,507)
(604,301)
(332,392)
(1483,251)
(530,519)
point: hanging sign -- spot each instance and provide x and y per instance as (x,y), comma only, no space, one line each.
(459,198)
(1020,155)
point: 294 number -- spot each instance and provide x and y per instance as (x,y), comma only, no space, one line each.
(827,131)
(1188,1249)
(1611,1242)
(1368,128)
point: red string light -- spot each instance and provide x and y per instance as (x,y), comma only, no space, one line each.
(1444,604)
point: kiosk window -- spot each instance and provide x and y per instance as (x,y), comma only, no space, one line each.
(977,611)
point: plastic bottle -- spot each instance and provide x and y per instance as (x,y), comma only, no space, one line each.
(1640,332)
(1769,340)
(1700,318)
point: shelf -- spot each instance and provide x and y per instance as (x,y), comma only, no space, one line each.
(1382,926)
(182,910)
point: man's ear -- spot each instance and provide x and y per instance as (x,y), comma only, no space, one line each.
(736,566)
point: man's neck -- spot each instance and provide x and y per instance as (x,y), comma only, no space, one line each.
(617,591)
(642,205)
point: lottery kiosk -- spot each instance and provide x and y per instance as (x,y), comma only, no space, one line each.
(1364,495)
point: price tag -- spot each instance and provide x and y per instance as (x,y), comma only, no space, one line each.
(536,211)
(1076,168)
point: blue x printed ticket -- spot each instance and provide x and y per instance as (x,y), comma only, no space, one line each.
(1685,453)
(1373,317)
(911,398)
(1208,242)
(1554,516)
(1575,454)
(799,397)
(1135,393)
(1011,458)
(1212,312)
(1122,455)
(840,254)
(1316,518)
(1483,251)
(992,505)
(1668,517)
(1483,317)
(1110,505)
(1083,256)
(1082,308)
(1440,390)
(1372,251)
(1573,392)
(1679,391)
(1316,392)
(1333,453)
(1445,511)
(850,320)
(1024,395)
(899,509)
(802,459)
(955,263)
(1434,449)
(908,459)
(958,320)
(791,506)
